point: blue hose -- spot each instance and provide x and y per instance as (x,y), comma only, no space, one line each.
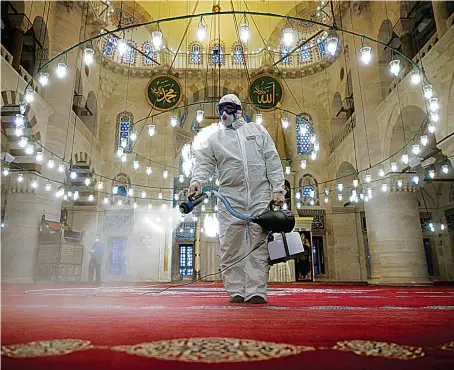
(229,208)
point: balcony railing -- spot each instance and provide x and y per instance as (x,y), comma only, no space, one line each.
(348,127)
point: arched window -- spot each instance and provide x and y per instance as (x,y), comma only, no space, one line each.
(121,183)
(195,54)
(321,46)
(285,54)
(217,54)
(125,124)
(304,131)
(238,54)
(130,56)
(305,53)
(110,46)
(148,50)
(308,188)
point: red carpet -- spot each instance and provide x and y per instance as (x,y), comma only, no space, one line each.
(193,327)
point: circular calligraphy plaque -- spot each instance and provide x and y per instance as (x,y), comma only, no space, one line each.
(266,92)
(163,92)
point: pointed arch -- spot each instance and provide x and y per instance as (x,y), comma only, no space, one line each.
(124,127)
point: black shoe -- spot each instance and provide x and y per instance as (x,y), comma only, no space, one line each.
(256,300)
(236,299)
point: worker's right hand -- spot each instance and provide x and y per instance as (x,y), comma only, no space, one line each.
(195,189)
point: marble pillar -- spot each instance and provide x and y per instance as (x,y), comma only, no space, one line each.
(395,239)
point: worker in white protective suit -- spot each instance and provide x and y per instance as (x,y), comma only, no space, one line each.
(250,176)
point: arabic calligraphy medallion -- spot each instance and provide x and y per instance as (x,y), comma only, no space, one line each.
(163,92)
(266,92)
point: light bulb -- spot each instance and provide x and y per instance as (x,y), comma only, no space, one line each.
(415,77)
(34,184)
(149,171)
(48,186)
(73,175)
(367,178)
(339,197)
(143,194)
(384,187)
(432,174)
(394,166)
(115,190)
(124,157)
(244,32)
(39,156)
(303,130)
(203,208)
(303,164)
(61,70)
(433,105)
(395,66)
(20,177)
(428,91)
(298,205)
(381,172)
(311,202)
(316,146)
(287,170)
(416,179)
(122,47)
(89,56)
(23,142)
(365,54)
(355,183)
(332,44)
(100,185)
(181,178)
(259,118)
(76,195)
(201,31)
(311,193)
(120,202)
(404,158)
(431,127)
(445,169)
(106,200)
(133,135)
(175,197)
(150,206)
(135,164)
(151,130)
(22,107)
(44,78)
(29,95)
(173,121)
(369,192)
(287,37)
(199,116)
(165,174)
(424,140)
(284,122)
(326,199)
(65,197)
(50,163)
(87,181)
(91,198)
(340,187)
(157,39)
(326,191)
(399,183)
(119,151)
(313,155)
(431,226)
(313,138)
(442,227)
(135,205)
(124,143)
(217,182)
(416,149)
(29,149)
(19,130)
(434,116)
(6,171)
(19,121)
(298,195)
(61,167)
(70,193)
(284,206)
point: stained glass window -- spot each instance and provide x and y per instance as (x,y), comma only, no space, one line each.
(195,55)
(148,50)
(305,53)
(186,260)
(285,54)
(308,191)
(110,46)
(125,123)
(217,54)
(304,131)
(129,56)
(321,46)
(238,54)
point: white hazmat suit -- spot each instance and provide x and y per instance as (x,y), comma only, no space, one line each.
(250,175)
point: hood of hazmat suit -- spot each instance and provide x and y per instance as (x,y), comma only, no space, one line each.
(249,171)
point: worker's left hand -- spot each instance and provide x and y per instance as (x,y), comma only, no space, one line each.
(278,198)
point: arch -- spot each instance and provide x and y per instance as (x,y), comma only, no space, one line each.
(217,51)
(238,52)
(123,184)
(304,55)
(110,46)
(124,127)
(346,173)
(304,132)
(308,190)
(129,57)
(148,49)
(35,47)
(338,119)
(195,51)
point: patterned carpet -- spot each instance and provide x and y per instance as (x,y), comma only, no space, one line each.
(194,327)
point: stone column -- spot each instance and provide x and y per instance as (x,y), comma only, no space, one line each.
(403,29)
(395,238)
(18,40)
(441,15)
